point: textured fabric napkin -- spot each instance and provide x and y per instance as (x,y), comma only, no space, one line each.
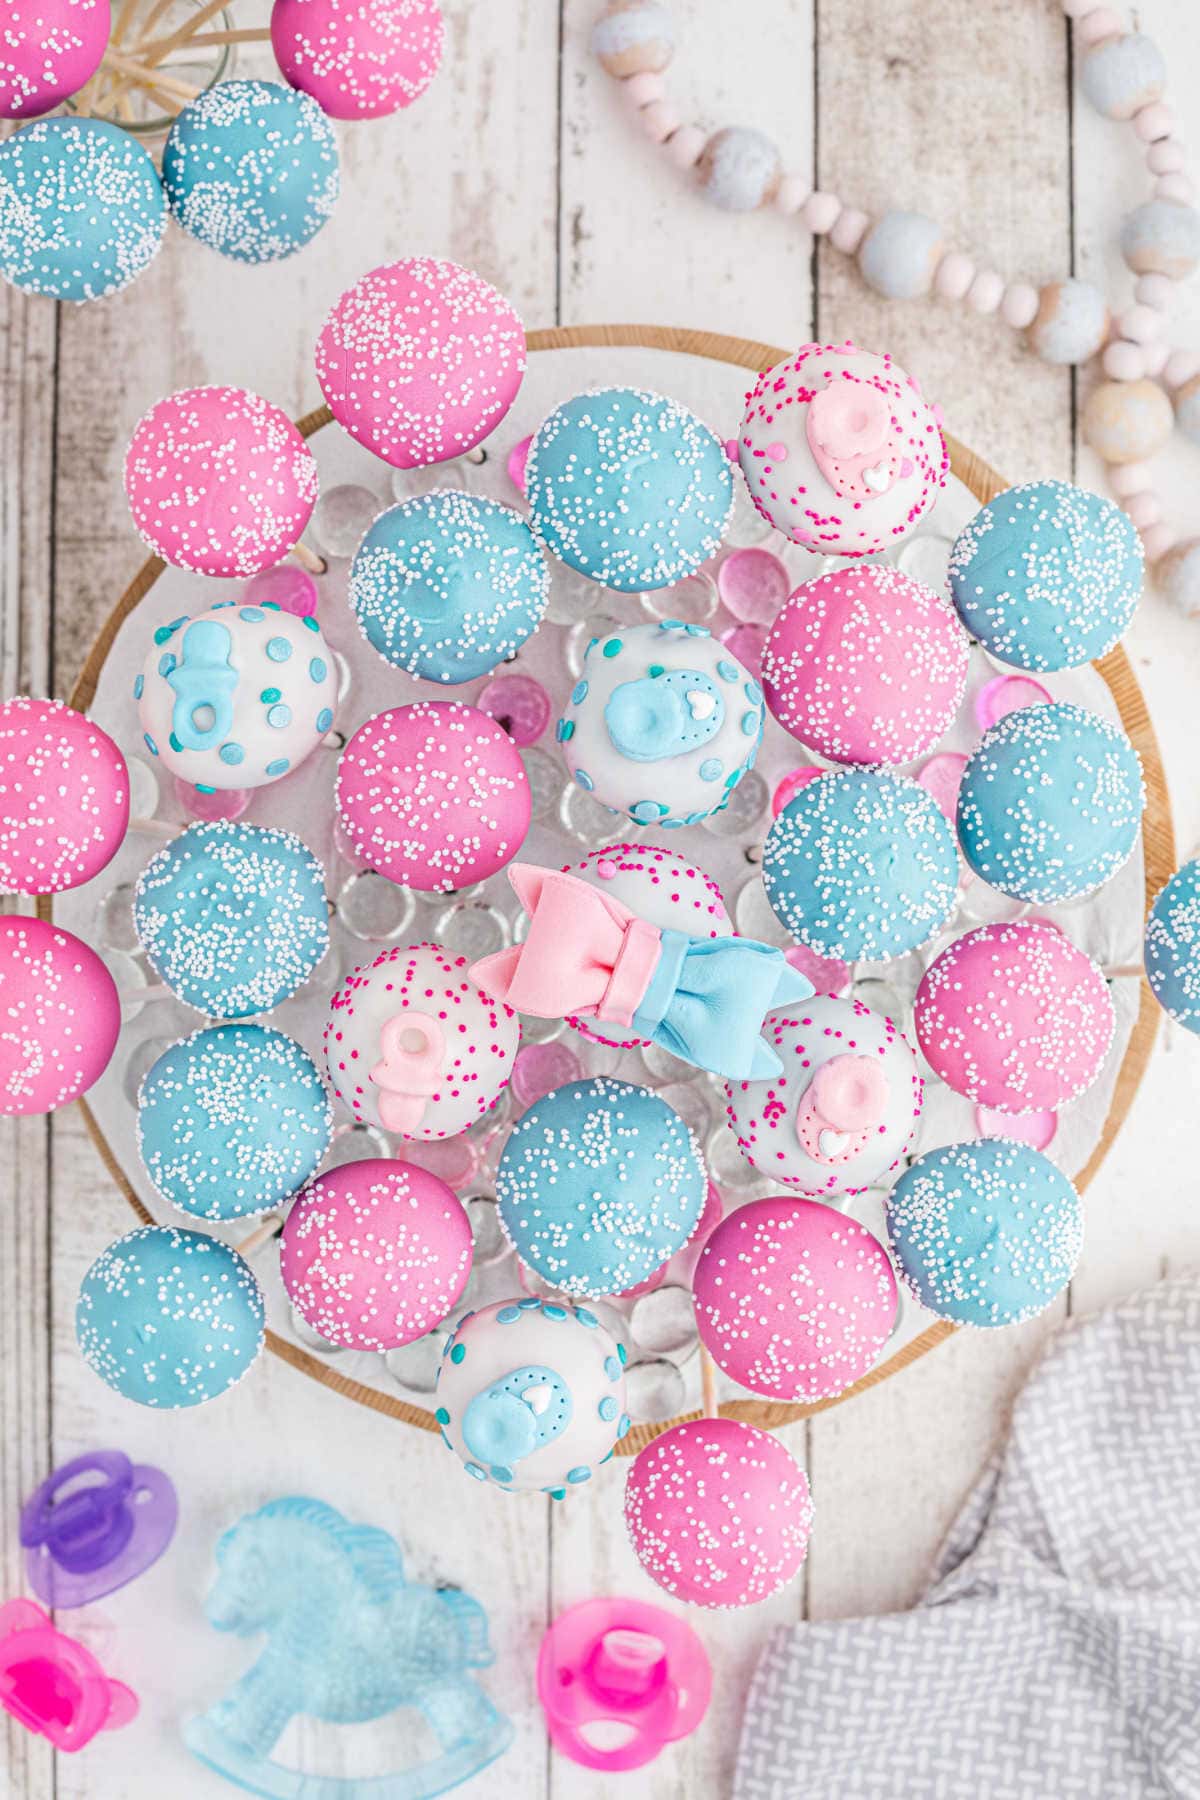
(1057,1651)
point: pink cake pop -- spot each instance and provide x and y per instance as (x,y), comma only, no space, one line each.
(220,481)
(49,49)
(375,1254)
(412,1045)
(59,1016)
(865,665)
(359,59)
(419,360)
(64,797)
(793,1299)
(1015,1017)
(434,795)
(718,1513)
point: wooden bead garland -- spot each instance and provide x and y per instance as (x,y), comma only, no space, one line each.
(902,256)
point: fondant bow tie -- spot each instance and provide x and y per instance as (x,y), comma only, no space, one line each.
(586,955)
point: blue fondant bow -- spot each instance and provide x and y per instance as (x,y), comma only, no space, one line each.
(707,1000)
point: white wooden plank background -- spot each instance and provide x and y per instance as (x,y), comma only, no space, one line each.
(519,164)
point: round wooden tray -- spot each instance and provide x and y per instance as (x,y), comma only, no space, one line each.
(1158,844)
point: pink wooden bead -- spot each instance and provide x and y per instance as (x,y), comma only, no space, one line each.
(1145,509)
(643,87)
(1078,9)
(1154,122)
(1123,362)
(1095,26)
(1165,157)
(1180,188)
(849,230)
(1156,541)
(792,193)
(821,212)
(1154,356)
(1181,366)
(955,273)
(1128,478)
(985,292)
(686,146)
(1154,290)
(659,121)
(1140,324)
(1019,305)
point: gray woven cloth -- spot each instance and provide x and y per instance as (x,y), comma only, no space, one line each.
(1057,1651)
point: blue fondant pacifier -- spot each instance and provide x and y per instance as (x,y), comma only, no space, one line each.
(204,681)
(517,1415)
(668,714)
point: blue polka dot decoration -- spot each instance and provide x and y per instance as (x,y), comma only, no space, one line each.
(251,169)
(169,1318)
(233,917)
(985,1233)
(1050,803)
(1047,576)
(232,1121)
(82,210)
(629,488)
(599,1183)
(860,865)
(447,585)
(1173,946)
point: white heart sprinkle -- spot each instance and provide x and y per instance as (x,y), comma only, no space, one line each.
(877,478)
(702,704)
(832,1143)
(537,1399)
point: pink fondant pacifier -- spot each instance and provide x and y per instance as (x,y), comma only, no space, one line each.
(619,1680)
(410,1070)
(842,1108)
(52,1685)
(849,427)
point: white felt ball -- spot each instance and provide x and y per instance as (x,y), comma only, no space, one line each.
(1162,238)
(986,291)
(1124,362)
(1154,357)
(899,255)
(1153,290)
(1180,188)
(793,191)
(1126,479)
(1020,305)
(1140,324)
(1178,575)
(1155,123)
(1127,421)
(849,230)
(1166,157)
(632,36)
(739,169)
(1187,409)
(1071,322)
(1123,75)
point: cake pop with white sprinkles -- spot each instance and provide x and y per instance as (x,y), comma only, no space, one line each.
(64,797)
(629,488)
(82,209)
(861,865)
(531,1395)
(59,1016)
(847,1103)
(170,1318)
(236,696)
(1173,946)
(433,795)
(232,1121)
(359,59)
(375,1254)
(598,1185)
(794,1300)
(662,724)
(233,917)
(219,481)
(49,49)
(448,585)
(413,1046)
(985,1233)
(251,169)
(718,1513)
(1047,575)
(420,360)
(1050,803)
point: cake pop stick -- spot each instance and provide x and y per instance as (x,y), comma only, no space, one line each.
(708,1385)
(266,1229)
(155,53)
(309,559)
(142,76)
(211,40)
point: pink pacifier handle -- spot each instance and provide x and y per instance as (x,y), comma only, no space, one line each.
(408,1073)
(851,1092)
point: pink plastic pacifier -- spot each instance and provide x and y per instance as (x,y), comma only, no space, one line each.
(53,1685)
(619,1680)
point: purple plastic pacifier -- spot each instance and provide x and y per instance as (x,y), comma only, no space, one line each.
(91,1540)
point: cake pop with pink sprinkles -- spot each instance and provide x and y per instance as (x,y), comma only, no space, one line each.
(49,49)
(219,481)
(865,665)
(59,1016)
(794,1300)
(420,360)
(839,450)
(414,1047)
(64,797)
(718,1513)
(375,1254)
(1015,1017)
(359,59)
(433,795)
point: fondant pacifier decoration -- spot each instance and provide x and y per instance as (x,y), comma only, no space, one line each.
(53,1685)
(84,1541)
(349,1639)
(585,954)
(620,1680)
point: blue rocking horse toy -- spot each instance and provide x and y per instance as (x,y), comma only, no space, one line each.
(348,1640)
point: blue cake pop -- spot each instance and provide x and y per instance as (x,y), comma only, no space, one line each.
(599,1183)
(231,1121)
(985,1233)
(861,865)
(169,1318)
(251,169)
(82,209)
(448,585)
(630,489)
(1047,576)
(1050,803)
(233,917)
(1173,946)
